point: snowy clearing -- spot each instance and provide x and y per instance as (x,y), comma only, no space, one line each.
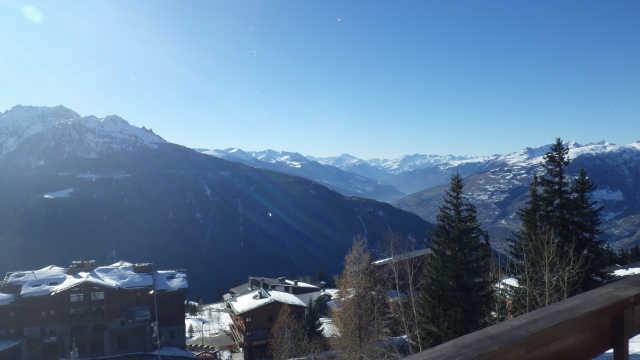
(211,320)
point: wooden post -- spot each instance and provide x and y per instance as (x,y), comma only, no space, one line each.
(621,334)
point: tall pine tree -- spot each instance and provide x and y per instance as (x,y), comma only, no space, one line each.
(456,291)
(521,251)
(556,251)
(586,228)
(555,197)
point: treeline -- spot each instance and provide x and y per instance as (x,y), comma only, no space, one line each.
(457,287)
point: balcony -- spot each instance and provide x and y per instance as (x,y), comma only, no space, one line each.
(581,327)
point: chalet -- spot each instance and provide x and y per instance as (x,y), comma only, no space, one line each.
(279,284)
(87,311)
(254,308)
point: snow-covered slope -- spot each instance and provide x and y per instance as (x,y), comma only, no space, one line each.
(500,189)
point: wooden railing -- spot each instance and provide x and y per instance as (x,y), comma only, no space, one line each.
(581,327)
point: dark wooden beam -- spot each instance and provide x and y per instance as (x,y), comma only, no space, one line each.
(580,327)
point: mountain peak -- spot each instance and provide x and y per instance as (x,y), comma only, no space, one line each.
(97,134)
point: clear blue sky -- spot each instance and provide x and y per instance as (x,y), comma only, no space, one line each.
(372,78)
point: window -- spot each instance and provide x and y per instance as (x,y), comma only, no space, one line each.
(74,298)
(97,295)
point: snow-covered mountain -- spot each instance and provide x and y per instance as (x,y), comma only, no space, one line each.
(497,184)
(500,189)
(84,136)
(345,182)
(74,187)
(416,172)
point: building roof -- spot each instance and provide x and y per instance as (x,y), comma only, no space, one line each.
(283,281)
(8,344)
(259,298)
(403,256)
(271,283)
(6,299)
(120,275)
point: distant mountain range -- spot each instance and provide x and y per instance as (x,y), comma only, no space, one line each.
(496,184)
(345,182)
(74,187)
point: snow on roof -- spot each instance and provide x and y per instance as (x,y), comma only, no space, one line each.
(300,284)
(19,278)
(260,297)
(53,279)
(627,271)
(8,344)
(506,283)
(171,280)
(6,299)
(403,256)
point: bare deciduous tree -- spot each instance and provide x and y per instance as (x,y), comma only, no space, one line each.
(287,336)
(360,316)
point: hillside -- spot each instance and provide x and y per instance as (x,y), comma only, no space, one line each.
(74,187)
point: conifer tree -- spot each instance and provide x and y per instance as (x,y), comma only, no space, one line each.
(521,250)
(456,291)
(586,228)
(556,251)
(556,193)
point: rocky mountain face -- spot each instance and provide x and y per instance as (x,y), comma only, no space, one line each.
(74,187)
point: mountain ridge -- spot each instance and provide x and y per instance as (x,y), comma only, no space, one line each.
(75,190)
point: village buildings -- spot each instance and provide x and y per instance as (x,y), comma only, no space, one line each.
(84,311)
(255,305)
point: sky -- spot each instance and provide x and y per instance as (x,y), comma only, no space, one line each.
(370,78)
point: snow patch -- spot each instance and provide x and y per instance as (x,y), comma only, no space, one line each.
(211,320)
(6,299)
(626,272)
(58,194)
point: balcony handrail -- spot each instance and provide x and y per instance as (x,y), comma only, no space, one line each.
(581,327)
